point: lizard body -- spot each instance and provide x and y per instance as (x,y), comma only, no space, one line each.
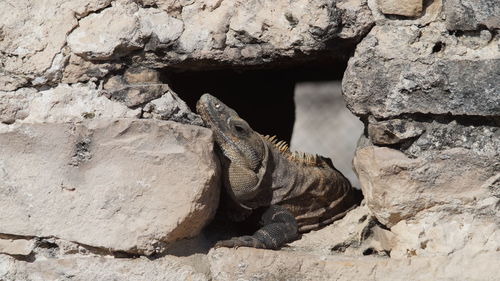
(296,192)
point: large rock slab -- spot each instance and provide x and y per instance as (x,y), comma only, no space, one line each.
(472,14)
(121,184)
(97,268)
(405,70)
(254,264)
(455,181)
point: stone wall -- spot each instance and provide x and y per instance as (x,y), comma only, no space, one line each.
(106,174)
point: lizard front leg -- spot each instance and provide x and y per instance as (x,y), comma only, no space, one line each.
(278,227)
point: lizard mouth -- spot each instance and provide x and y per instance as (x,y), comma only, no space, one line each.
(205,108)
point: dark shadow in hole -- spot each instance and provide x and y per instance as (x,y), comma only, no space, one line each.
(263,97)
(438,47)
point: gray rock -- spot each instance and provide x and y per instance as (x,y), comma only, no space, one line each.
(393,131)
(401,70)
(482,140)
(120,184)
(472,14)
(171,107)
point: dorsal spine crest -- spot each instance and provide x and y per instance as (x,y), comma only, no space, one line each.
(295,156)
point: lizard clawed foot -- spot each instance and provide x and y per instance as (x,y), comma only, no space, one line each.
(242,241)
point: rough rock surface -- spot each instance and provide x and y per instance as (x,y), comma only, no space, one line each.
(120,184)
(429,164)
(472,14)
(97,268)
(409,8)
(85,194)
(77,41)
(453,181)
(406,70)
(252,264)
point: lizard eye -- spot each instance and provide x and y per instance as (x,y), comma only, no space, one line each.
(217,105)
(239,129)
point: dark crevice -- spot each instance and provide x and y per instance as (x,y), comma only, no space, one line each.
(438,47)
(263,97)
(465,120)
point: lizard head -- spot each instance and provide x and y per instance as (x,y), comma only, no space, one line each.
(243,150)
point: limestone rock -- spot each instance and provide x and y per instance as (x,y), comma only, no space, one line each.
(16,247)
(76,102)
(408,8)
(254,264)
(98,268)
(393,131)
(13,105)
(351,235)
(442,234)
(79,70)
(171,107)
(397,187)
(466,133)
(242,33)
(405,70)
(136,87)
(120,184)
(33,34)
(472,14)
(113,32)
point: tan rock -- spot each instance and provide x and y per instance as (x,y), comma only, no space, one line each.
(98,268)
(409,8)
(442,234)
(397,187)
(119,184)
(34,32)
(254,264)
(13,105)
(343,236)
(113,32)
(77,102)
(16,247)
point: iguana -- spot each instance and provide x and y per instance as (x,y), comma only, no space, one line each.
(295,192)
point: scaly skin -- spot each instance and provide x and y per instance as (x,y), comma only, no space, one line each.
(298,192)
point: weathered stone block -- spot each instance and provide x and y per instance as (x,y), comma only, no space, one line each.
(397,187)
(408,8)
(472,14)
(406,70)
(16,247)
(98,268)
(120,184)
(393,131)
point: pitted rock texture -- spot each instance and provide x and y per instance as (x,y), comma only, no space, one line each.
(254,264)
(405,70)
(453,181)
(78,41)
(472,14)
(120,184)
(97,268)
